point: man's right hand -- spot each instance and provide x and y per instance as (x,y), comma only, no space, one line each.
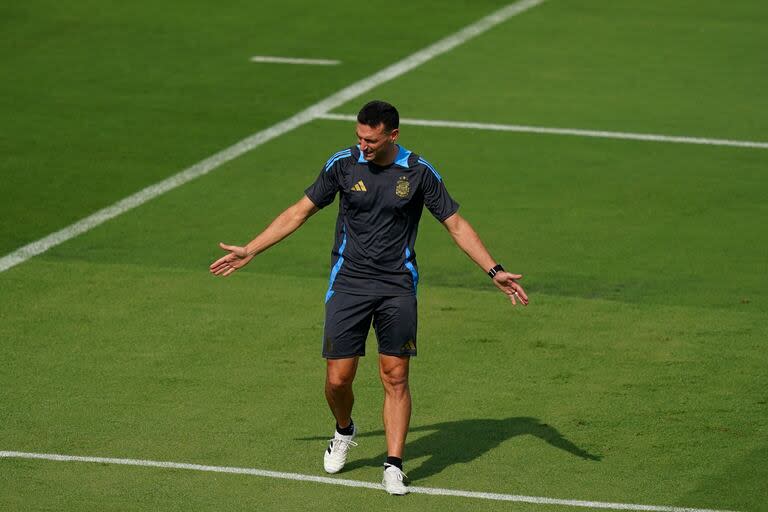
(237,258)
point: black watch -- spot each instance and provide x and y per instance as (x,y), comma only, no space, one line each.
(495,270)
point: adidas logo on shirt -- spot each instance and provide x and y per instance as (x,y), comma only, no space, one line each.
(359,187)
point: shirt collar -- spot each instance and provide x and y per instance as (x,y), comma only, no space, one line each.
(401,159)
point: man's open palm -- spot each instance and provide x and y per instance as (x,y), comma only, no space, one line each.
(237,258)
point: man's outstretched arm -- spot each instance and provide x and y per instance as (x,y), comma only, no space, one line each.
(285,224)
(467,239)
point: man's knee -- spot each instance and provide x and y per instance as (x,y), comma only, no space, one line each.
(339,381)
(340,374)
(395,384)
(394,377)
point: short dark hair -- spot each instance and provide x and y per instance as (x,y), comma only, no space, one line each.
(376,112)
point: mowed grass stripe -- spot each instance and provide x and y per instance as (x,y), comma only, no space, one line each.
(538,500)
(601,134)
(305,116)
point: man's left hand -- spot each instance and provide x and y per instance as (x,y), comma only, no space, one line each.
(507,283)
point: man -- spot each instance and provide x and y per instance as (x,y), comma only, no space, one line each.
(383,188)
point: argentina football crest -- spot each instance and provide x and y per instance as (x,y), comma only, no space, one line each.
(403,187)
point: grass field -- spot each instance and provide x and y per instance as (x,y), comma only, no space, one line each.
(637,375)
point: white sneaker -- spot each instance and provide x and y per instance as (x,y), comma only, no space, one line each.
(336,454)
(393,481)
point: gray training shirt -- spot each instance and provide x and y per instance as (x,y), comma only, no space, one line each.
(379,211)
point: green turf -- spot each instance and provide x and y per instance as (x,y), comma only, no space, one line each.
(557,401)
(637,375)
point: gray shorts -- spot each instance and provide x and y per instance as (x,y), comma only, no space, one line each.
(348,319)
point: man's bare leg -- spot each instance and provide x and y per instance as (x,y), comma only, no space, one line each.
(340,373)
(338,391)
(393,371)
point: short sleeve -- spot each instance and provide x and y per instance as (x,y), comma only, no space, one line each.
(436,197)
(323,190)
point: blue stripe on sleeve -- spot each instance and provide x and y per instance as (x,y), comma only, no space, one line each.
(337,158)
(337,154)
(429,166)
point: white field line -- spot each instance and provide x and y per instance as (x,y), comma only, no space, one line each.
(565,131)
(291,60)
(257,139)
(436,491)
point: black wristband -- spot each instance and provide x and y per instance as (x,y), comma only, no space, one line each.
(495,270)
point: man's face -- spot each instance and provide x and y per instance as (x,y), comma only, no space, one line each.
(376,143)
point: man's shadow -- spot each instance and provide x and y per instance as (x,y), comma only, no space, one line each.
(459,442)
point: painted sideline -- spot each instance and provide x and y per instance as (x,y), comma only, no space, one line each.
(292,60)
(565,131)
(436,491)
(257,139)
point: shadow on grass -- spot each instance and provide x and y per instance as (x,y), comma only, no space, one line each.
(460,442)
